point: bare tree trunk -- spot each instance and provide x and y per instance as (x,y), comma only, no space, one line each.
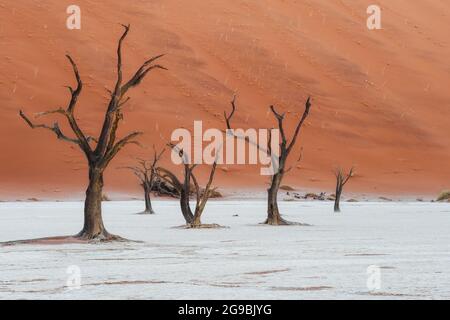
(184,197)
(148,202)
(273,214)
(341,181)
(182,188)
(197,220)
(337,201)
(185,209)
(199,208)
(93,222)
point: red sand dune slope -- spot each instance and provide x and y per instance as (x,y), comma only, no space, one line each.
(381,99)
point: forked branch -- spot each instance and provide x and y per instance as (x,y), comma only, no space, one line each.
(55,129)
(245,138)
(300,123)
(108,133)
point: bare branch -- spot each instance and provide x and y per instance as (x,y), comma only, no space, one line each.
(300,157)
(59,110)
(196,186)
(107,135)
(141,73)
(280,118)
(349,175)
(210,180)
(157,156)
(170,178)
(118,116)
(117,91)
(269,143)
(75,93)
(110,116)
(138,172)
(300,124)
(119,145)
(126,140)
(68,117)
(233,109)
(184,157)
(123,102)
(55,128)
(83,140)
(245,138)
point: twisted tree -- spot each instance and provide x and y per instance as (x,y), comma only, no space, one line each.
(279,165)
(341,181)
(145,171)
(98,151)
(193,219)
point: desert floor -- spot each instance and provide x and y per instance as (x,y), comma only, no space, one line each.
(409,242)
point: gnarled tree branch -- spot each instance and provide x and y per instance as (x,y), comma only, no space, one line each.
(55,129)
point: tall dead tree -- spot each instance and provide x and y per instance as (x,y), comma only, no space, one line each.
(99,151)
(341,181)
(193,219)
(145,171)
(273,213)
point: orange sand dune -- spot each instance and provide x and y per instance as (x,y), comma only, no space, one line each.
(381,99)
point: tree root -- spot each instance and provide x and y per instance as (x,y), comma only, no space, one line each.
(48,240)
(147,212)
(81,238)
(103,236)
(201,226)
(282,222)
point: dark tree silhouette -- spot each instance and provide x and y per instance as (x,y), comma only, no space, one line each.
(99,151)
(193,219)
(273,213)
(145,171)
(341,181)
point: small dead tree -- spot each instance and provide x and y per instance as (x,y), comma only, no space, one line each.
(145,171)
(273,213)
(341,180)
(99,151)
(193,219)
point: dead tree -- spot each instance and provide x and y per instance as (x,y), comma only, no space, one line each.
(193,219)
(273,213)
(341,180)
(99,151)
(145,171)
(163,189)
